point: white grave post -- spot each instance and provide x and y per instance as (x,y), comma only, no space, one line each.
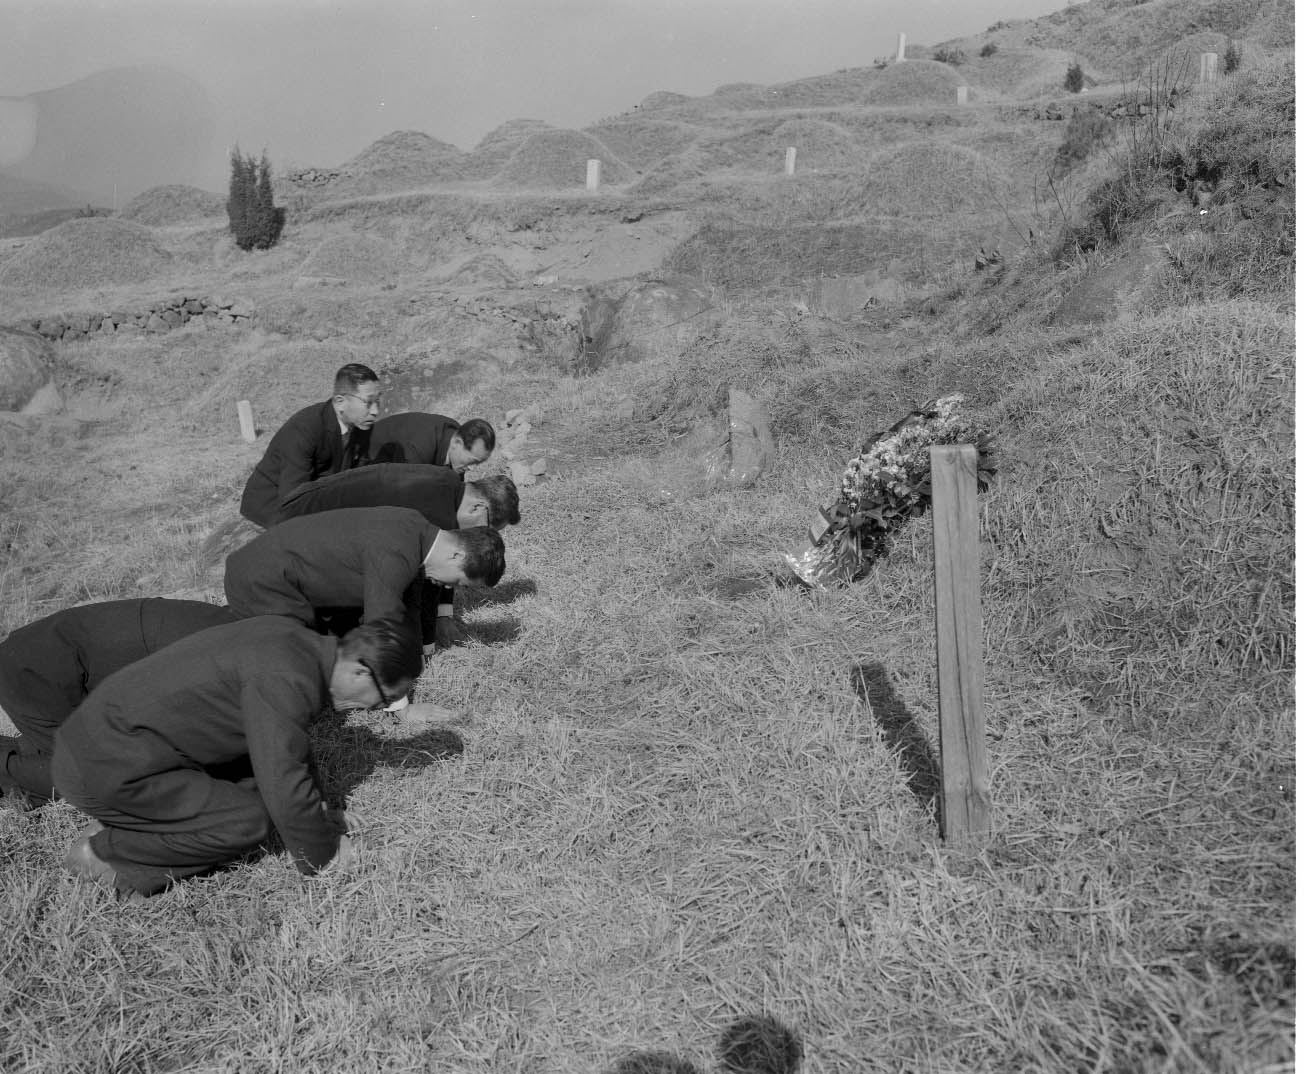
(961,94)
(790,160)
(1208,66)
(901,47)
(594,179)
(246,411)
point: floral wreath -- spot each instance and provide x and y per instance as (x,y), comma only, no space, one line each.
(889,482)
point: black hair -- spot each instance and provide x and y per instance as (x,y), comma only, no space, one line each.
(474,429)
(486,558)
(504,502)
(351,377)
(389,647)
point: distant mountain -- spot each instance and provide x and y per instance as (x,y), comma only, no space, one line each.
(119,132)
(21,199)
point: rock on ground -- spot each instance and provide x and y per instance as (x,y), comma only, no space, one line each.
(660,315)
(1113,292)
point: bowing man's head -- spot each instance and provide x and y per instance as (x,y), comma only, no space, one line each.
(471,444)
(471,555)
(375,664)
(490,501)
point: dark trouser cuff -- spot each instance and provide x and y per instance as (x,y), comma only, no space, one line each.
(130,878)
(26,769)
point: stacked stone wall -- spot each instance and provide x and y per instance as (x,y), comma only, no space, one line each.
(161,316)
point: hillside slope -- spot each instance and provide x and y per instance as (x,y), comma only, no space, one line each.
(683,800)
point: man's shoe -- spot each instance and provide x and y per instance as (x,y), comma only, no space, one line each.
(83,862)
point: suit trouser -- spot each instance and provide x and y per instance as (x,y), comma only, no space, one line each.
(432,595)
(26,766)
(38,714)
(26,759)
(420,603)
(185,822)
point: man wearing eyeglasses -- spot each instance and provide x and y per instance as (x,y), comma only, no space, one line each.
(321,439)
(190,757)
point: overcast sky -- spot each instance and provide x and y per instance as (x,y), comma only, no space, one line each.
(316,81)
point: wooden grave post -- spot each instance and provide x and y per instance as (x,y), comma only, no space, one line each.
(966,794)
(901,47)
(961,94)
(1208,67)
(790,160)
(246,411)
(594,178)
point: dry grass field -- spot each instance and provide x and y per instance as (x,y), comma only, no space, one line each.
(682,790)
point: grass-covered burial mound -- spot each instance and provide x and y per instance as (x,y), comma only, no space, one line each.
(86,252)
(160,206)
(560,159)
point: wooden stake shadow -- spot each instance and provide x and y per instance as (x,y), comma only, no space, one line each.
(903,735)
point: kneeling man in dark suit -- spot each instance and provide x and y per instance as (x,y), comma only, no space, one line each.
(369,561)
(320,439)
(49,666)
(432,439)
(151,752)
(442,497)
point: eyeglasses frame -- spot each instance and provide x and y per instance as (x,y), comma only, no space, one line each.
(375,681)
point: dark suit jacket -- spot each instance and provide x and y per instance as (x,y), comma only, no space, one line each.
(246,689)
(368,558)
(306,447)
(435,491)
(414,437)
(49,666)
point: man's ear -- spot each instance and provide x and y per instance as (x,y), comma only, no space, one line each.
(351,668)
(344,673)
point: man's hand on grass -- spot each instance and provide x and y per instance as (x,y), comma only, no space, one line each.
(448,632)
(348,853)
